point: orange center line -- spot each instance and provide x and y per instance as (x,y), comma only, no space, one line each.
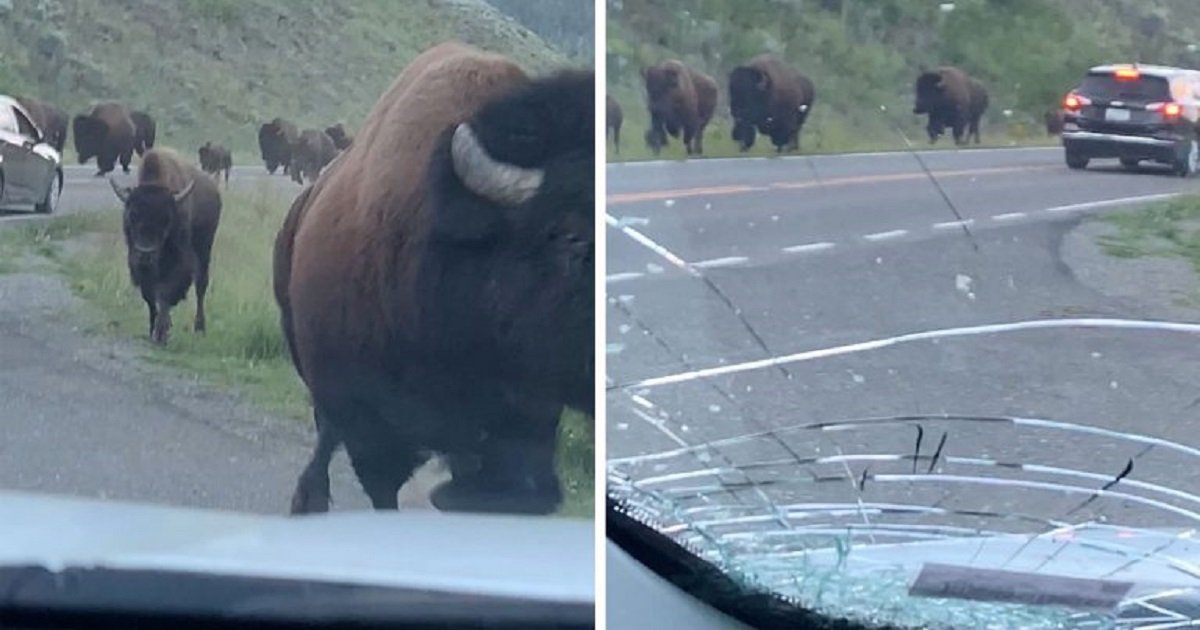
(714,191)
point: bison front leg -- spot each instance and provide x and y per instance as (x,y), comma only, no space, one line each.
(126,158)
(161,329)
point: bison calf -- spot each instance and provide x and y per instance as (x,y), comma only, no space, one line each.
(337,133)
(215,159)
(144,132)
(170,220)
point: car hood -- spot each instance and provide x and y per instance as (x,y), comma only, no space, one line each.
(547,559)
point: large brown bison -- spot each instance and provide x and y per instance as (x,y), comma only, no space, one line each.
(275,140)
(337,133)
(614,118)
(144,131)
(681,101)
(436,284)
(951,99)
(215,159)
(107,133)
(170,220)
(311,152)
(51,120)
(767,97)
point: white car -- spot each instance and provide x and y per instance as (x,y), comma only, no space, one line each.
(30,168)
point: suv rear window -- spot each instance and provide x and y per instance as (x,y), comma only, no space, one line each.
(1145,88)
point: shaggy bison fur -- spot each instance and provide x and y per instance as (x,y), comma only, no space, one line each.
(767,97)
(681,102)
(107,133)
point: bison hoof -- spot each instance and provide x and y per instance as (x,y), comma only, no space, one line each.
(199,325)
(309,501)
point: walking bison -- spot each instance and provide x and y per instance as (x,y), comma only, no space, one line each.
(337,133)
(767,97)
(436,284)
(170,221)
(614,117)
(215,159)
(275,140)
(51,120)
(144,131)
(312,151)
(107,133)
(681,102)
(951,99)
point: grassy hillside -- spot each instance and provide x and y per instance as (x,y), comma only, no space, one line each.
(215,69)
(864,55)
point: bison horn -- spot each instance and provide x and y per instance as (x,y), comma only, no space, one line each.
(483,175)
(187,190)
(122,191)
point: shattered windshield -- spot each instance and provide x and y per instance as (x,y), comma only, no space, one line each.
(907,370)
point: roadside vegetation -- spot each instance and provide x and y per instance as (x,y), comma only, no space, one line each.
(243,349)
(864,55)
(216,69)
(1167,229)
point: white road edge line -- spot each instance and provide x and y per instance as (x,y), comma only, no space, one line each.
(648,243)
(879,236)
(720,262)
(953,224)
(618,277)
(809,247)
(1011,216)
(1112,202)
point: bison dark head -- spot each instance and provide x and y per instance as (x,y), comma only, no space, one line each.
(662,81)
(151,213)
(337,133)
(749,96)
(930,93)
(90,135)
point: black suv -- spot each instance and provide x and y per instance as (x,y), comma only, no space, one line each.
(1134,113)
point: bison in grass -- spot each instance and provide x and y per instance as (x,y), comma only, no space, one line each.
(681,101)
(436,284)
(215,159)
(337,133)
(767,97)
(614,117)
(1054,121)
(51,120)
(170,220)
(144,131)
(951,99)
(310,154)
(275,140)
(107,133)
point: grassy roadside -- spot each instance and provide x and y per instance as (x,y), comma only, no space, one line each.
(1167,229)
(243,348)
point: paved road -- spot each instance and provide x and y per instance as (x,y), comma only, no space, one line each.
(83,415)
(817,253)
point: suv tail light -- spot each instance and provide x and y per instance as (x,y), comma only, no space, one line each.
(1169,111)
(1074,102)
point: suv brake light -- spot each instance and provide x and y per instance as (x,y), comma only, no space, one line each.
(1126,74)
(1168,110)
(1074,102)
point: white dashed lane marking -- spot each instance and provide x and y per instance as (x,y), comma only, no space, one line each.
(617,277)
(953,224)
(881,236)
(720,262)
(809,247)
(1010,216)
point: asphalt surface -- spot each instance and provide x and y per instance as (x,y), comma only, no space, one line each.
(721,262)
(84,415)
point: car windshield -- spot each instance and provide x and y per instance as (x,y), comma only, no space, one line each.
(1107,86)
(184,322)
(890,378)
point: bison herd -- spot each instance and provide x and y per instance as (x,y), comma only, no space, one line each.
(767,97)
(435,281)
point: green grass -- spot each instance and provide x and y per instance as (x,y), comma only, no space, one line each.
(243,348)
(1168,229)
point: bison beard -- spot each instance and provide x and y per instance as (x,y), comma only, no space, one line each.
(441,301)
(169,221)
